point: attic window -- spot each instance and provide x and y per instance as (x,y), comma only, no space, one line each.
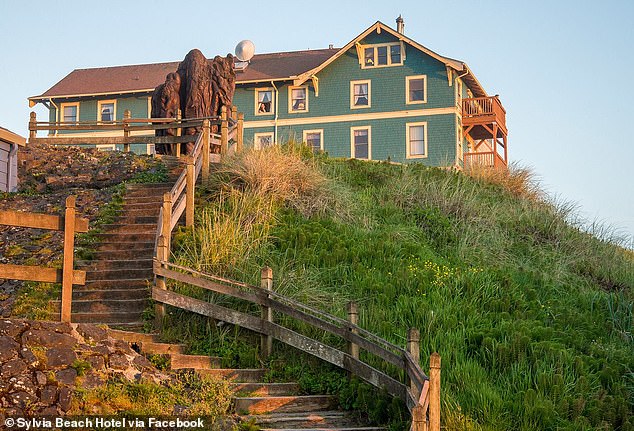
(382,55)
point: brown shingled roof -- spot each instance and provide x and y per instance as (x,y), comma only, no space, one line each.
(140,77)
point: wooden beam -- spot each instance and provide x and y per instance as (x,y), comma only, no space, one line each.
(39,273)
(39,221)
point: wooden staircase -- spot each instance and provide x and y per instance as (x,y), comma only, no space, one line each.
(118,279)
(271,406)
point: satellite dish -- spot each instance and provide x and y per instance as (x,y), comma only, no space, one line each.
(245,50)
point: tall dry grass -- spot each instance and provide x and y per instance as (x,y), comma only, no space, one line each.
(518,180)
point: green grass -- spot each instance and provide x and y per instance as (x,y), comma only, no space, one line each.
(531,315)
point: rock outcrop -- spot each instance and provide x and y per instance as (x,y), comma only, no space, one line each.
(41,364)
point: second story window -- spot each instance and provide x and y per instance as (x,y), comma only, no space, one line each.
(360,94)
(416,89)
(298,99)
(382,55)
(105,110)
(70,112)
(264,101)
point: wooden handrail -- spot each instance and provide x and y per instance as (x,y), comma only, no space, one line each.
(415,397)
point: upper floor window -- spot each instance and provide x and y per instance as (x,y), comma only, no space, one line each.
(416,89)
(70,112)
(388,54)
(360,94)
(298,99)
(106,110)
(264,101)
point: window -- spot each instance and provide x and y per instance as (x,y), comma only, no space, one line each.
(297,99)
(388,54)
(70,112)
(416,89)
(416,140)
(361,142)
(459,139)
(314,139)
(263,140)
(360,94)
(264,101)
(459,93)
(106,110)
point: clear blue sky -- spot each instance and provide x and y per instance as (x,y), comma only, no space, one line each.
(561,68)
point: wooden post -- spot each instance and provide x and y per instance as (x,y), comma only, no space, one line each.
(67,268)
(189,197)
(234,113)
(266,341)
(413,347)
(32,124)
(353,318)
(179,132)
(166,229)
(224,132)
(419,422)
(159,309)
(126,129)
(434,392)
(206,149)
(240,132)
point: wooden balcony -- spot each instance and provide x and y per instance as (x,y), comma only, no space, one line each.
(484,127)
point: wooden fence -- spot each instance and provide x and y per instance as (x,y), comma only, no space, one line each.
(230,125)
(68,223)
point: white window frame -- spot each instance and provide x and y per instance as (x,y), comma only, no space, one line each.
(257,136)
(290,99)
(459,93)
(358,82)
(376,57)
(64,105)
(257,98)
(408,154)
(321,137)
(149,109)
(100,103)
(408,79)
(352,130)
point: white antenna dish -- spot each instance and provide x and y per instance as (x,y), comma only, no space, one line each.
(245,50)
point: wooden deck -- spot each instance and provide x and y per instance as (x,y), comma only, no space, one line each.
(484,126)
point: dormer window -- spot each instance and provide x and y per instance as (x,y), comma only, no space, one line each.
(382,55)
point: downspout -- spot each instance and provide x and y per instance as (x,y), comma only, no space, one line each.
(13,152)
(56,113)
(277,99)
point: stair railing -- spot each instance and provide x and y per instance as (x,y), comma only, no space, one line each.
(421,393)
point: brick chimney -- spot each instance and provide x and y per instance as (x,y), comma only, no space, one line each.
(400,25)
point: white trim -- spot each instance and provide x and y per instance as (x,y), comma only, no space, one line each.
(458,93)
(149,108)
(352,130)
(408,155)
(256,101)
(358,82)
(109,147)
(407,81)
(321,137)
(257,136)
(290,99)
(107,102)
(376,47)
(366,116)
(64,105)
(38,99)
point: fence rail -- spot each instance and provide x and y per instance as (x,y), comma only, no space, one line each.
(69,224)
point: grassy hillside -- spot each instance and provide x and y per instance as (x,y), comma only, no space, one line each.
(532,317)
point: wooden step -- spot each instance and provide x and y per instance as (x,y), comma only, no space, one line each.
(130,283)
(114,264)
(196,362)
(149,186)
(118,254)
(266,389)
(133,337)
(130,228)
(127,199)
(237,375)
(321,420)
(284,404)
(105,305)
(144,207)
(107,318)
(120,274)
(127,245)
(105,294)
(116,237)
(154,348)
(141,217)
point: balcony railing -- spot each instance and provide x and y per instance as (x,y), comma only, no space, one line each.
(486,159)
(475,107)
